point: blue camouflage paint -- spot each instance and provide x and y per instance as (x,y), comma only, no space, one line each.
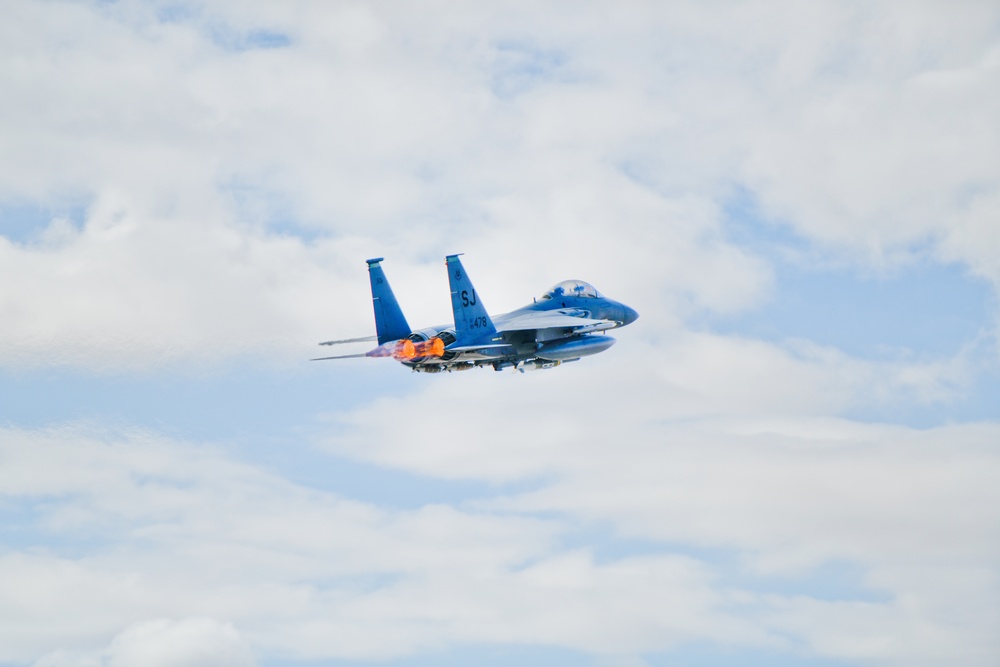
(567,323)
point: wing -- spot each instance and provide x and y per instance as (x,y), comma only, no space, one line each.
(552,319)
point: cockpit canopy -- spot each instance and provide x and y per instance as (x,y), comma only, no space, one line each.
(572,288)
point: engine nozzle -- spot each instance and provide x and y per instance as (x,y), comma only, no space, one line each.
(406,349)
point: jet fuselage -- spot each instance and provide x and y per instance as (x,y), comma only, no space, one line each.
(567,323)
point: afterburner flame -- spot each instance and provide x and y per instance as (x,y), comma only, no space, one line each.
(384,350)
(404,350)
(430,348)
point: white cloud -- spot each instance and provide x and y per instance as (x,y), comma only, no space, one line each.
(615,449)
(865,128)
(193,642)
(681,377)
(167,530)
(665,454)
(189,642)
(229,194)
(183,532)
(130,291)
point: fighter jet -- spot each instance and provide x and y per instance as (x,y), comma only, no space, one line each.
(567,323)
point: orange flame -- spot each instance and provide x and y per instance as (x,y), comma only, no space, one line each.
(404,350)
(430,348)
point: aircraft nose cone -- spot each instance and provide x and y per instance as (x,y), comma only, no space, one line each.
(629,315)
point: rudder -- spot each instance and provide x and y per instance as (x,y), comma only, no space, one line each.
(390,324)
(471,318)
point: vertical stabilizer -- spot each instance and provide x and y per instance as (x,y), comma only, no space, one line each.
(389,321)
(471,319)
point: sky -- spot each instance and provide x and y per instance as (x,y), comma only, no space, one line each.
(791,458)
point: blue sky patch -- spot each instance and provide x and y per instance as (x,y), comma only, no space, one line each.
(231,40)
(273,419)
(923,309)
(920,312)
(222,35)
(520,66)
(176,13)
(25,222)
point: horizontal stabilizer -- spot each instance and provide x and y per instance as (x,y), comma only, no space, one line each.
(363,339)
(345,356)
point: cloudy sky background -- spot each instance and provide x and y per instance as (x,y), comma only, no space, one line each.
(791,458)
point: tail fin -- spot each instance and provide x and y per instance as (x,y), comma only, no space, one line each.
(471,318)
(389,321)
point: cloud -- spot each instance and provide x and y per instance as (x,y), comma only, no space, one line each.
(738,517)
(642,458)
(159,528)
(230,164)
(761,474)
(194,642)
(130,291)
(177,531)
(613,155)
(189,642)
(644,387)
